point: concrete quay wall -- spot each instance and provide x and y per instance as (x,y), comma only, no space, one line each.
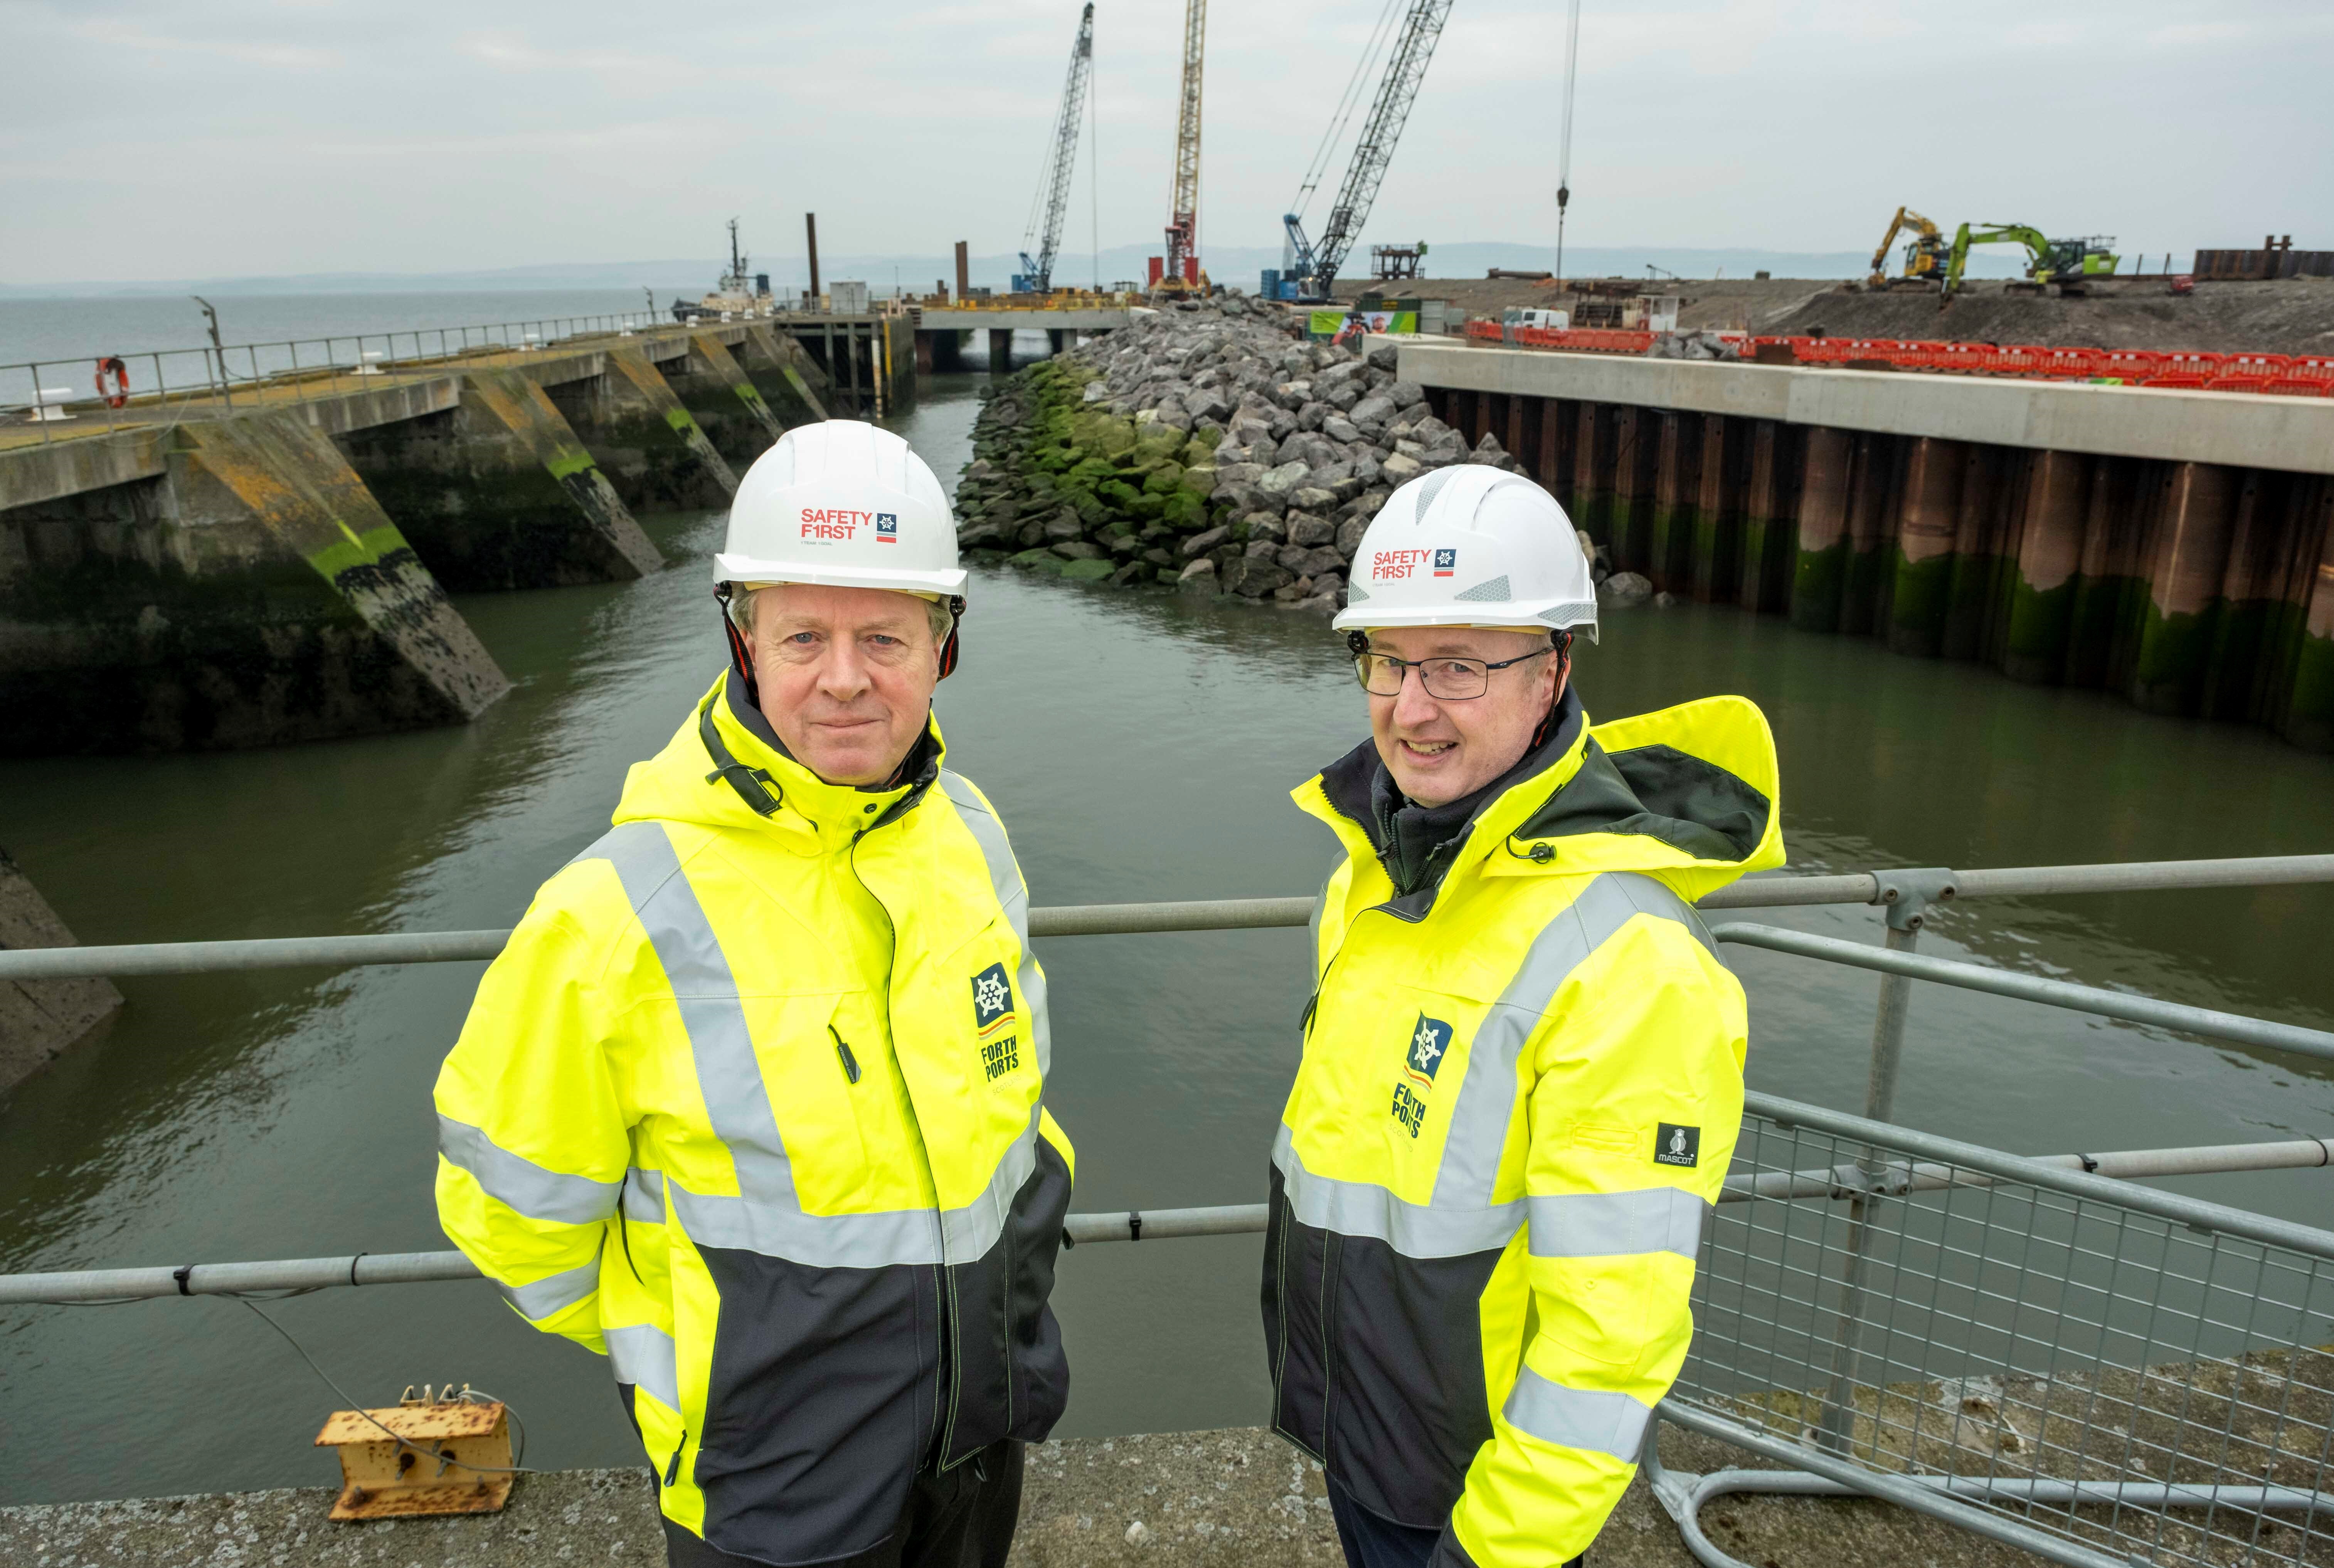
(208,575)
(2176,547)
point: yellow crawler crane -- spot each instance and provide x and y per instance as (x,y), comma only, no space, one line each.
(1924,253)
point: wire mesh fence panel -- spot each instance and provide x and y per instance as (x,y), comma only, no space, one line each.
(2157,1390)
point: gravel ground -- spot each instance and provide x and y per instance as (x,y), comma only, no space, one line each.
(1227,1499)
(2289,316)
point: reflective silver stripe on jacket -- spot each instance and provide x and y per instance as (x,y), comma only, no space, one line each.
(1461,1218)
(767,1216)
(1614,1224)
(538,1299)
(1366,1209)
(642,1355)
(522,1185)
(1013,895)
(645,1196)
(1594,1418)
(1486,1101)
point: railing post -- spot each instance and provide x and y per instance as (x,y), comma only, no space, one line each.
(1905,896)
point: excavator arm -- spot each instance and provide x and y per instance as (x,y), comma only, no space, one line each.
(1928,245)
(2037,250)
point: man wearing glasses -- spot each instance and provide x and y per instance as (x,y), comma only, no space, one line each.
(1522,1062)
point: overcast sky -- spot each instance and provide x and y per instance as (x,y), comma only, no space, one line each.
(235,137)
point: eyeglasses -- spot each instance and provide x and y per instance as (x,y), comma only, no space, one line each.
(1452,679)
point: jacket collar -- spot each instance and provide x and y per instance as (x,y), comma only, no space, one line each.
(747,755)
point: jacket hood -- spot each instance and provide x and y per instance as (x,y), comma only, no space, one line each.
(1688,795)
(724,764)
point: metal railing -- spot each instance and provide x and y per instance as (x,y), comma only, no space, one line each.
(163,380)
(2055,1310)
(2098,1373)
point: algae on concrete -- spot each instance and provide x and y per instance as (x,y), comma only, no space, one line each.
(499,492)
(642,438)
(251,594)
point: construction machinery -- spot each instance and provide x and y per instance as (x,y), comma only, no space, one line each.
(1037,273)
(1925,253)
(1313,263)
(1178,272)
(2067,263)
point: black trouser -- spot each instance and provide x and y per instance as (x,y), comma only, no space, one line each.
(959,1518)
(1371,1542)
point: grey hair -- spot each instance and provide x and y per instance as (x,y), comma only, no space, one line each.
(741,612)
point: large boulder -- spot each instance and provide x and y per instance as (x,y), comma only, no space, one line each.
(1349,535)
(1078,550)
(1372,411)
(1255,576)
(1281,480)
(1312,498)
(1384,356)
(1310,528)
(1263,525)
(1400,468)
(1625,588)
(1200,576)
(1403,394)
(1200,543)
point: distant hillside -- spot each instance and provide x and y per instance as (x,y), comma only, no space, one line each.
(1238,265)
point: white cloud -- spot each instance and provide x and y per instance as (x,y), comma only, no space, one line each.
(442,134)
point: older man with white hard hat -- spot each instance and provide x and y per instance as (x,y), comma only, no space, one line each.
(1522,1063)
(752,1102)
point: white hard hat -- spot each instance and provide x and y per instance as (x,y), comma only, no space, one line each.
(1470,545)
(846,505)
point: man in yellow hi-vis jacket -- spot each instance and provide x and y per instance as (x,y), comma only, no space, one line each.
(752,1102)
(1522,1070)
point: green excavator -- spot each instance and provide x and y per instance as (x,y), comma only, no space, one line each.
(2067,263)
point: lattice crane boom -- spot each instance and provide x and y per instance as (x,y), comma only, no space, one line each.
(1038,272)
(1183,205)
(1422,28)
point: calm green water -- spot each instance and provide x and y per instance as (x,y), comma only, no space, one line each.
(1141,747)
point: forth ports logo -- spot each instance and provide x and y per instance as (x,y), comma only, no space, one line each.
(992,1021)
(1446,562)
(1430,1043)
(887,528)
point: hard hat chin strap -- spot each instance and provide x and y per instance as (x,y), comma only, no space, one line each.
(1561,639)
(741,657)
(949,649)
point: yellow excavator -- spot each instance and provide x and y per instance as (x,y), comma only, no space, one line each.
(1924,253)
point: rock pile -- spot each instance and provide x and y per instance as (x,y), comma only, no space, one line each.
(1206,448)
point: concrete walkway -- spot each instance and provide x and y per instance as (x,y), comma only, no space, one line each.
(1227,1499)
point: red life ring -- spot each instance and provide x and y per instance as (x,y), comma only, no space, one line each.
(111,365)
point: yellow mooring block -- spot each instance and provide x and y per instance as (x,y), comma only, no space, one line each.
(442,1454)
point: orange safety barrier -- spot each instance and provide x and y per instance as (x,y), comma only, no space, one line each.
(2193,362)
(2189,369)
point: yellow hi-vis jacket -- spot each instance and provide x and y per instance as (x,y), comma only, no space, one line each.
(1519,1095)
(751,1104)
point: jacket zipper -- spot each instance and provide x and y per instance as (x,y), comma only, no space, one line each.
(949,1359)
(842,1053)
(672,1467)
